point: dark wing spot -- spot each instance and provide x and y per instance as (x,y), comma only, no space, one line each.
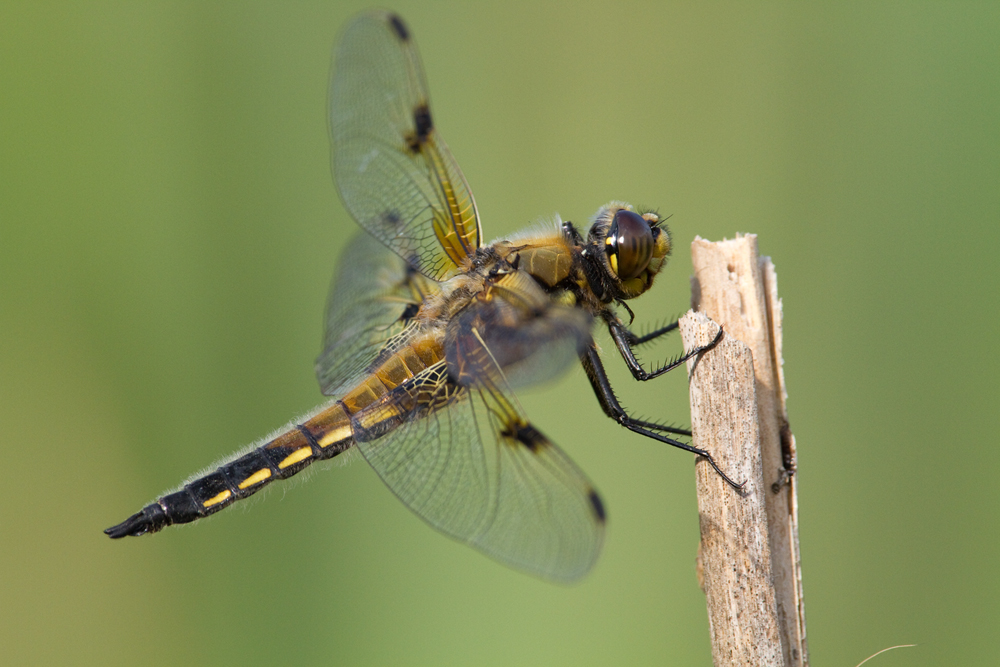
(528,436)
(412,262)
(422,121)
(423,125)
(399,28)
(409,312)
(597,505)
(391,219)
(412,143)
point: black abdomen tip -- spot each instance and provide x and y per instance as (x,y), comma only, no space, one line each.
(151,519)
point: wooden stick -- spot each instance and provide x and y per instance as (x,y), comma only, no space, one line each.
(749,553)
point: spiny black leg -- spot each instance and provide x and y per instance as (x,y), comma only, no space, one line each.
(591,361)
(694,450)
(661,427)
(652,335)
(594,368)
(625,339)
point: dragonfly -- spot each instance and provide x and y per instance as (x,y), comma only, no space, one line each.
(429,331)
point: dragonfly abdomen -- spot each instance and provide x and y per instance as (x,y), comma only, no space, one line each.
(325,434)
(279,458)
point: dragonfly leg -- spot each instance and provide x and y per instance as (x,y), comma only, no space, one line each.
(594,368)
(625,340)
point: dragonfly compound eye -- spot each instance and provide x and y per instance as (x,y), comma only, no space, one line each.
(629,244)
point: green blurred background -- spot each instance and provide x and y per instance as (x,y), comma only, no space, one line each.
(168,228)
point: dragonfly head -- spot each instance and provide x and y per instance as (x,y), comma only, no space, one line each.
(631,248)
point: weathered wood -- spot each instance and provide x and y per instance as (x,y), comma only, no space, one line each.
(735,555)
(749,552)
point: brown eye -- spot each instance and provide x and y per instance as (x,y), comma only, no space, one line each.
(629,244)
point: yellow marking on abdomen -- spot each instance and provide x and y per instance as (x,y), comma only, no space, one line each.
(299,454)
(256,478)
(331,426)
(335,436)
(216,499)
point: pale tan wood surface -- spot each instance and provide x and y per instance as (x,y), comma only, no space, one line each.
(750,555)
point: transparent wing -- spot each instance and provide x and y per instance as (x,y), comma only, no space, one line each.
(467,461)
(373,295)
(393,170)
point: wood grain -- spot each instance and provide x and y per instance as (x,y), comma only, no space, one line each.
(749,552)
